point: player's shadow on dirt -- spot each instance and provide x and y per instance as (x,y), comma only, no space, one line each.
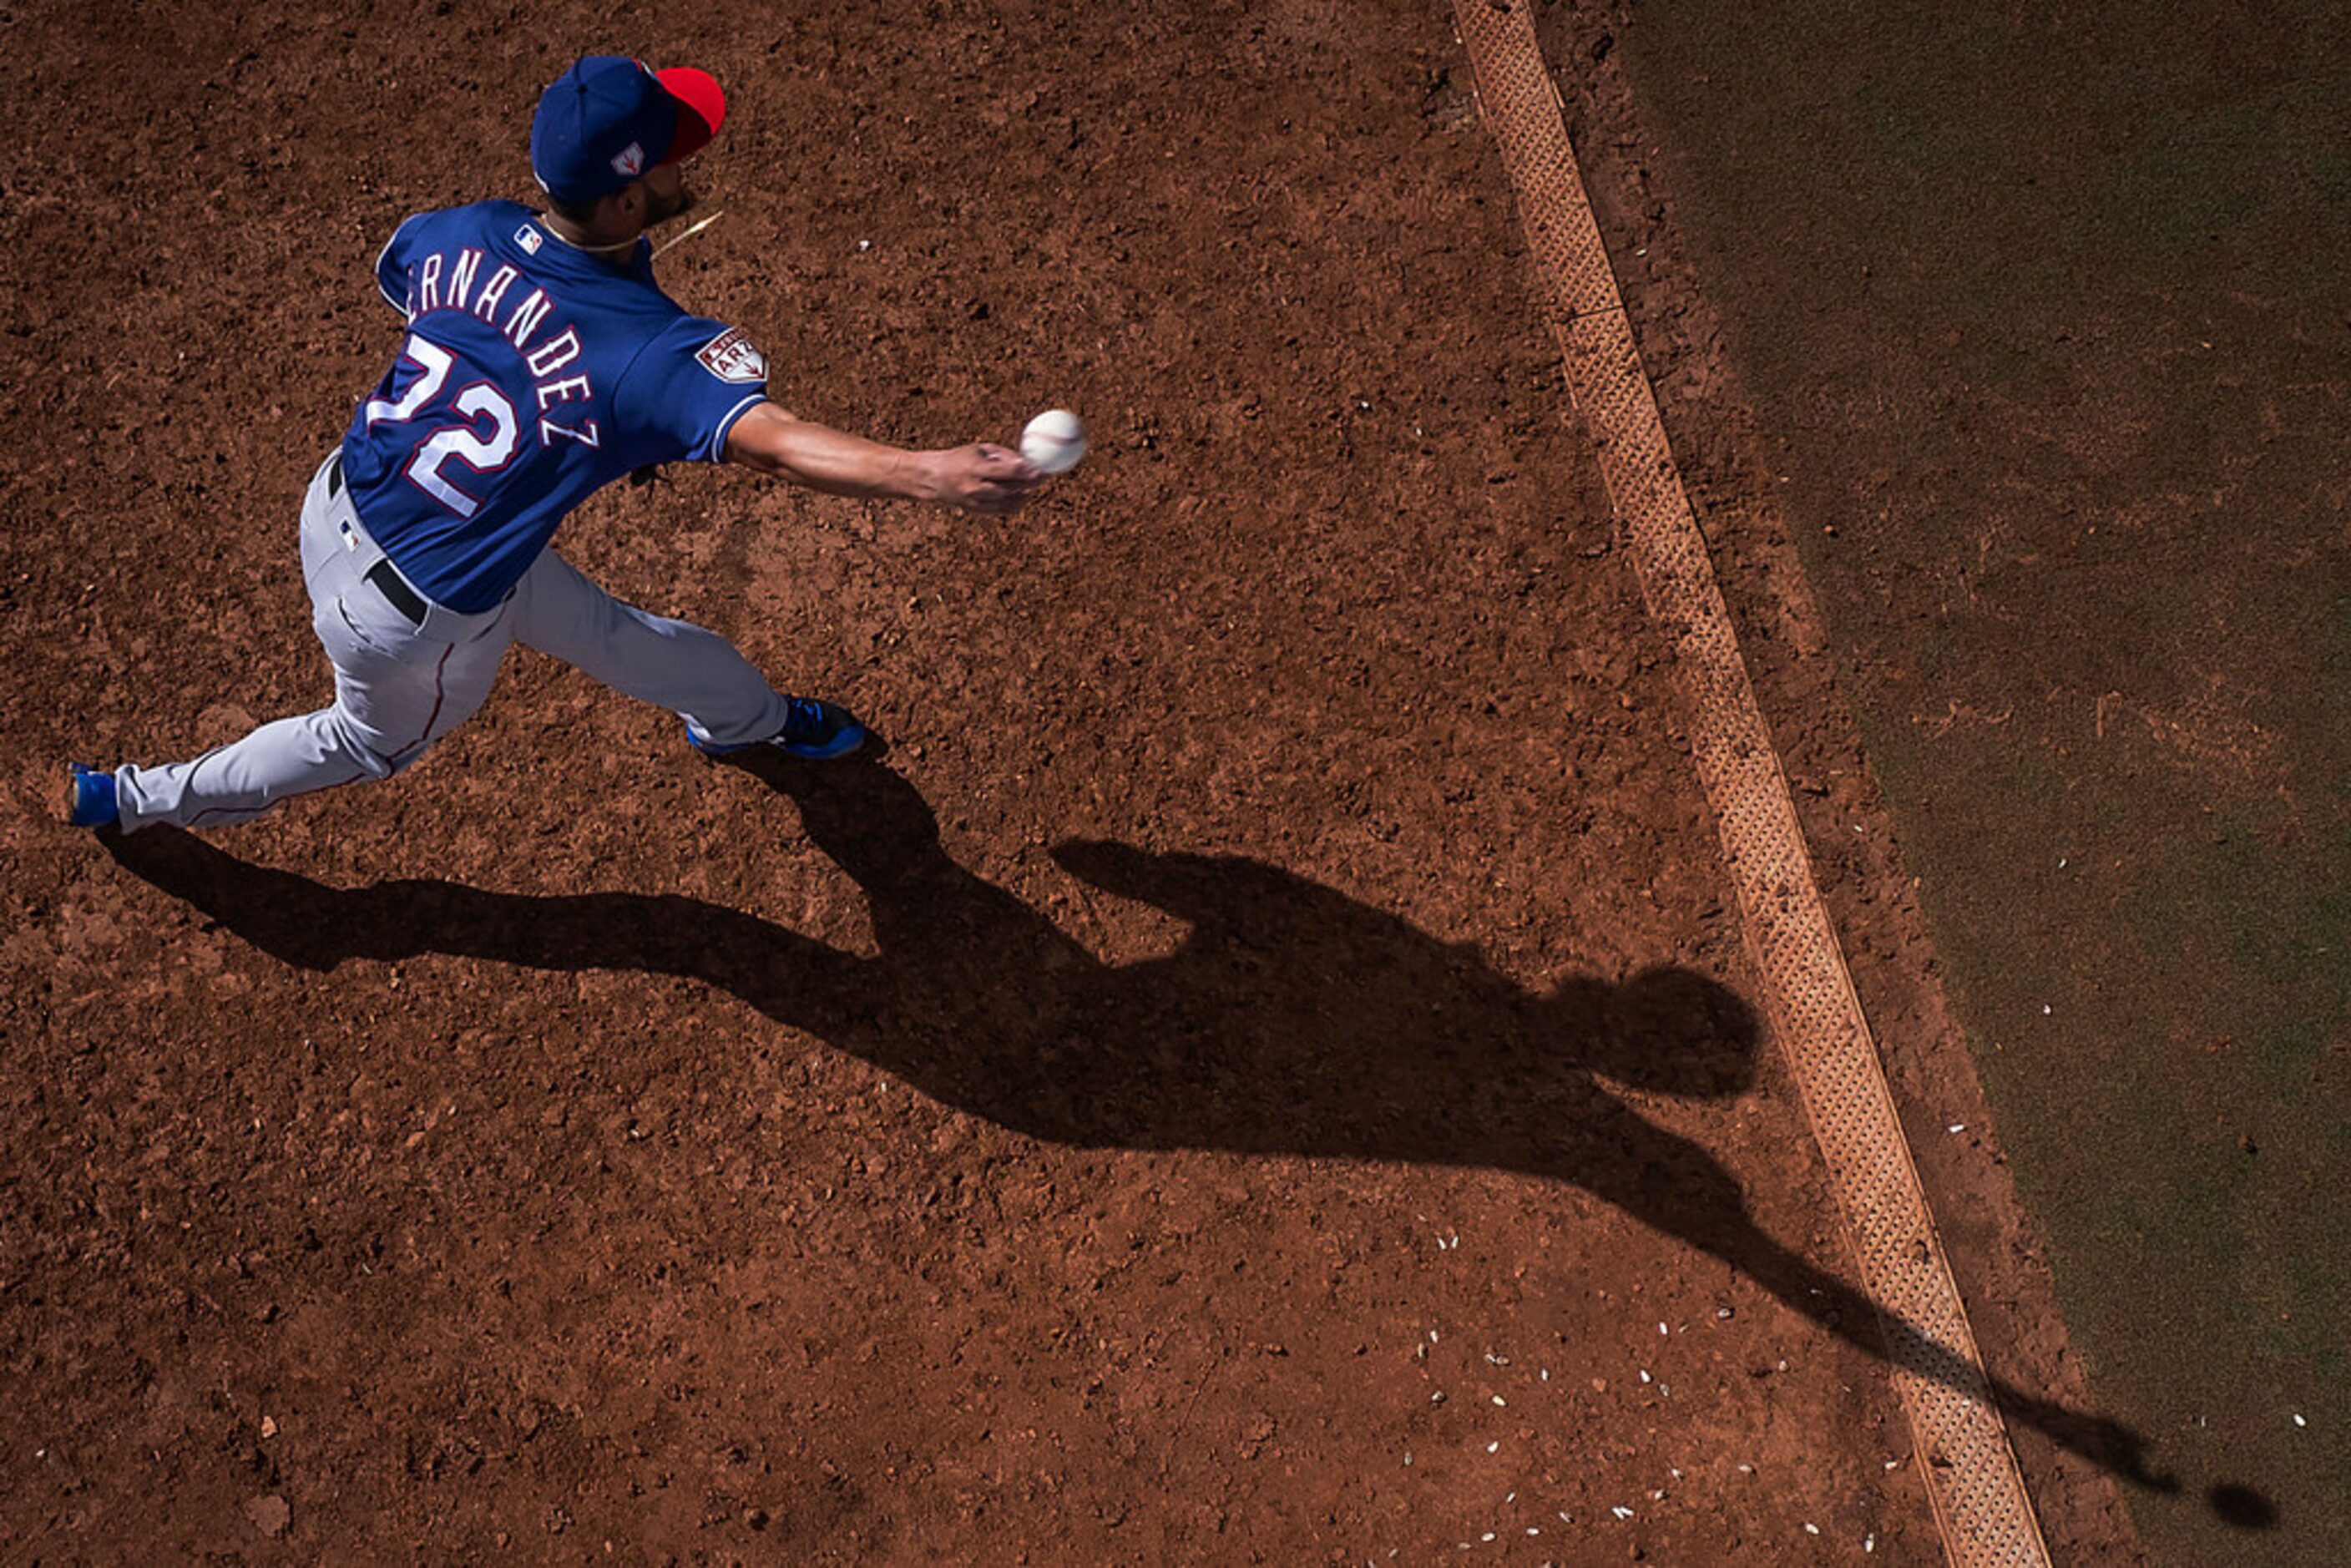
(1289,1019)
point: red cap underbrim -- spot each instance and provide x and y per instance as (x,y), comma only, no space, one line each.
(701,109)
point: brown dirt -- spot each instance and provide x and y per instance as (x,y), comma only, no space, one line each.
(1280,976)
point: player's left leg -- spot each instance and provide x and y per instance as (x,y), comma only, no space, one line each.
(693,673)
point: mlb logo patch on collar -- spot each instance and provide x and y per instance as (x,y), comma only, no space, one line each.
(731,357)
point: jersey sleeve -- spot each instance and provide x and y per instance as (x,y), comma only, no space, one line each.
(392,266)
(689,386)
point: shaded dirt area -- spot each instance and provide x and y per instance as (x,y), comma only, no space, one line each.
(1259,1072)
(2043,318)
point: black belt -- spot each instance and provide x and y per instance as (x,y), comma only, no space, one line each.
(386,577)
(401,596)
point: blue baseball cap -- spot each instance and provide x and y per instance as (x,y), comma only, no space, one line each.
(609,121)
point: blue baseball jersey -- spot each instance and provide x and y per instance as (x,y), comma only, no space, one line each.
(533,374)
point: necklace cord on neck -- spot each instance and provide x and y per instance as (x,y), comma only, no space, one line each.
(591,249)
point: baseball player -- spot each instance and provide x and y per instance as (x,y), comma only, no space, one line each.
(540,362)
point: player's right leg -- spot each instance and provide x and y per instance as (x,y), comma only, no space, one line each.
(397,690)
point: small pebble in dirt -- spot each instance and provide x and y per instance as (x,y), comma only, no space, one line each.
(1811,1528)
(1621,1512)
(1493,1446)
(2297,1420)
(1869,1543)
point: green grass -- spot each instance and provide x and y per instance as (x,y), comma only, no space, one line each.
(2091,266)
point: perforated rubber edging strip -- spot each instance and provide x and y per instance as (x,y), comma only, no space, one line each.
(1969,1469)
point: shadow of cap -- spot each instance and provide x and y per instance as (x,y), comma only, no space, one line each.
(1668,1031)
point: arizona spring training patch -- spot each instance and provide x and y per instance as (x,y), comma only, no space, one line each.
(731,357)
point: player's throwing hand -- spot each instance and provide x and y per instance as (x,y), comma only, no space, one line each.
(994,481)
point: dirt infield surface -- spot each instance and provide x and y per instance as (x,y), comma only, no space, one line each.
(1261,1069)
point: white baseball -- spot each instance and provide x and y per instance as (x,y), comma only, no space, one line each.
(1054,441)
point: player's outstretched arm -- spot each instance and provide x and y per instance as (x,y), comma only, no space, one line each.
(982,478)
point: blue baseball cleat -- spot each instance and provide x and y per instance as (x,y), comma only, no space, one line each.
(816,731)
(89,798)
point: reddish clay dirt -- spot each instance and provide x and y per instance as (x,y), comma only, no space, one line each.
(1258,1073)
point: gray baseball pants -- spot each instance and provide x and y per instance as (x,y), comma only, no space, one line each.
(403,683)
